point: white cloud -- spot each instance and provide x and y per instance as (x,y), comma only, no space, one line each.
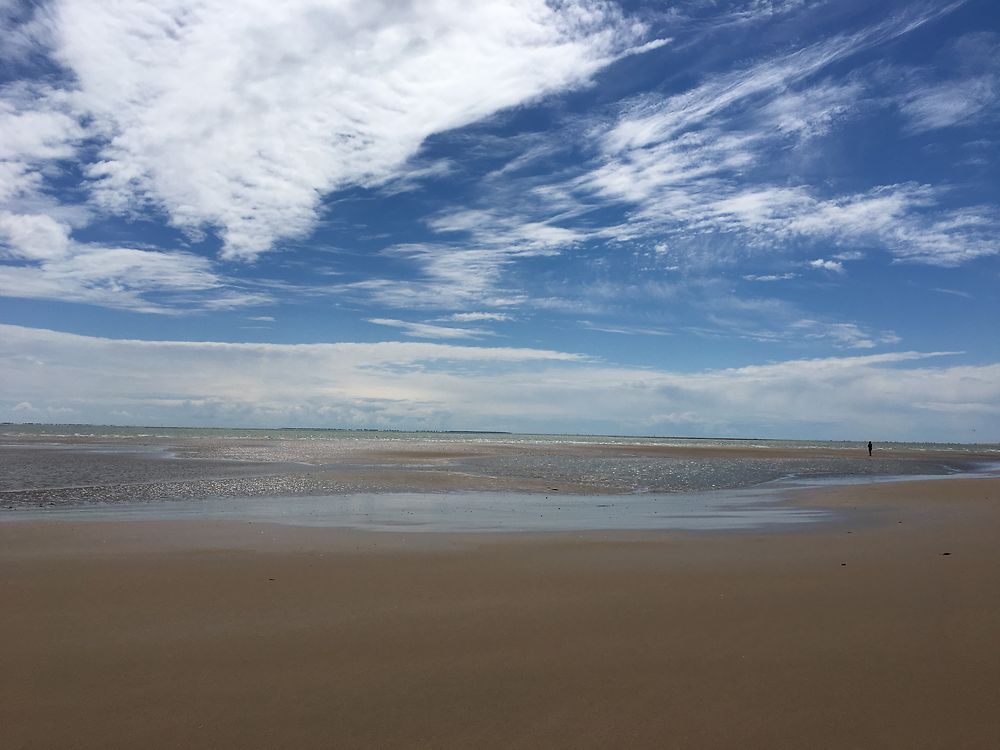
(812,111)
(34,237)
(472,317)
(953,292)
(624,330)
(889,396)
(682,167)
(450,277)
(686,165)
(36,123)
(769,277)
(848,335)
(821,264)
(468,272)
(962,89)
(906,219)
(54,267)
(487,228)
(240,116)
(655,122)
(36,128)
(952,103)
(429,330)
(774,320)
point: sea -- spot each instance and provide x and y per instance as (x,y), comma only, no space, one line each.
(383,480)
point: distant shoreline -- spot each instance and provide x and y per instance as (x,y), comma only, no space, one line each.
(394,431)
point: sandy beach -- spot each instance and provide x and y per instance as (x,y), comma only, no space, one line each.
(499,375)
(880,633)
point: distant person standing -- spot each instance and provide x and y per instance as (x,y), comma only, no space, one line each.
(869,448)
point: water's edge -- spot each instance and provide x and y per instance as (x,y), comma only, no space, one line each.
(770,505)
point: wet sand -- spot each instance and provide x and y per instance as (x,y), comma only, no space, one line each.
(875,633)
(70,471)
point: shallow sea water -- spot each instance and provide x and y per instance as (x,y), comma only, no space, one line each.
(337,478)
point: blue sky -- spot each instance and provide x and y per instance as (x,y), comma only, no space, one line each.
(755,218)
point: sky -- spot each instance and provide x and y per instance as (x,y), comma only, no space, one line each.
(748,218)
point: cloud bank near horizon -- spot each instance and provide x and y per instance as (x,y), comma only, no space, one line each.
(411,385)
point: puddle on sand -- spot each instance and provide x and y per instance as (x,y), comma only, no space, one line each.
(470,511)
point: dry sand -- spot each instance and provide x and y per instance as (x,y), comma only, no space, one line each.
(858,635)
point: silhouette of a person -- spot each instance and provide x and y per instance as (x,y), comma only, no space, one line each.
(869,447)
